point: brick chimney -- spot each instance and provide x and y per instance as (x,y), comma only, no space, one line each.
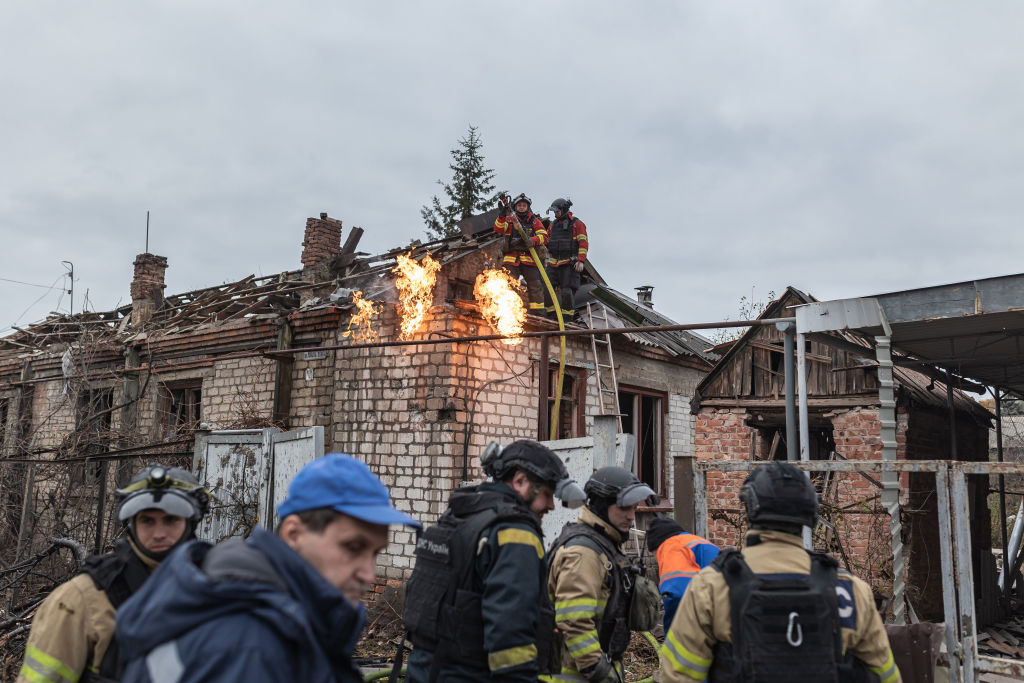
(147,287)
(322,242)
(645,295)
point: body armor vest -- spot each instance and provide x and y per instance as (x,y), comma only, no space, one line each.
(561,244)
(613,631)
(783,629)
(443,604)
(118,575)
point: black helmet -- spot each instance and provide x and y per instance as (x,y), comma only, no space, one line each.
(171,489)
(778,493)
(560,204)
(539,462)
(522,198)
(615,485)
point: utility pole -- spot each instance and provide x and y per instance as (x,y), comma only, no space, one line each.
(71,290)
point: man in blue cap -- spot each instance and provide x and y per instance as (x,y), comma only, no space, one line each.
(272,607)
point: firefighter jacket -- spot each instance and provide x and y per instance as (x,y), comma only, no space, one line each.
(580,584)
(515,253)
(72,633)
(251,610)
(680,558)
(703,619)
(477,618)
(567,241)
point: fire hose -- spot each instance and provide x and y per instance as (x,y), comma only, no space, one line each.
(558,314)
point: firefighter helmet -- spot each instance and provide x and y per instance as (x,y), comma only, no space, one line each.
(521,197)
(171,489)
(781,494)
(615,485)
(560,205)
(539,462)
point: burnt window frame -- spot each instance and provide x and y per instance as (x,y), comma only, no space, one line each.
(192,395)
(660,456)
(577,397)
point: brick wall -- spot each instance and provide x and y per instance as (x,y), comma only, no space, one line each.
(322,240)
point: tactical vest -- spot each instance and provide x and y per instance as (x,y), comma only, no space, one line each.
(119,575)
(561,244)
(443,603)
(613,631)
(783,629)
(513,233)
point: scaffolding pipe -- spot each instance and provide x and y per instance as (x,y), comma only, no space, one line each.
(1005,584)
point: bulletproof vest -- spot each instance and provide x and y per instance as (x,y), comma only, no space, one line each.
(784,628)
(118,575)
(613,631)
(514,233)
(561,245)
(443,602)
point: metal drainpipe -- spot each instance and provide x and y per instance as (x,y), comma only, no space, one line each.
(801,376)
(788,363)
(891,480)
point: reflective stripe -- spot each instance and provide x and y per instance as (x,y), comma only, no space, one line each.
(579,608)
(677,574)
(513,656)
(888,671)
(521,536)
(695,667)
(582,644)
(163,663)
(39,666)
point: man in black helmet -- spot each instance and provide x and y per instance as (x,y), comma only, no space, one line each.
(475,603)
(517,259)
(567,252)
(776,612)
(591,581)
(72,636)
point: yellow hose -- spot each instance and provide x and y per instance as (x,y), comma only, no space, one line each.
(561,324)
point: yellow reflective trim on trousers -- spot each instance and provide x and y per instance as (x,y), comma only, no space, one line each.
(521,536)
(695,667)
(513,656)
(39,666)
(888,671)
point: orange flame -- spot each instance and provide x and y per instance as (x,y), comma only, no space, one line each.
(498,295)
(362,319)
(415,285)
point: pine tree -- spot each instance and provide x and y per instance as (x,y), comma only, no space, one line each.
(470,190)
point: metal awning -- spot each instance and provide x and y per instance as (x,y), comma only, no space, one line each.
(972,329)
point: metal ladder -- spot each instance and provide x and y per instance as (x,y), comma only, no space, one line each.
(607,391)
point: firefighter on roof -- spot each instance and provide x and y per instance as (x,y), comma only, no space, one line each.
(517,259)
(567,252)
(775,612)
(72,636)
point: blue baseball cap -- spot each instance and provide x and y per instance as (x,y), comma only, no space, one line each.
(345,484)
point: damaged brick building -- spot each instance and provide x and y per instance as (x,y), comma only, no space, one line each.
(273,350)
(740,415)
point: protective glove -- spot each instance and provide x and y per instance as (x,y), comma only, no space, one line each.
(578,266)
(602,672)
(502,206)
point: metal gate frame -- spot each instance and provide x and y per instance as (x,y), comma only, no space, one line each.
(954,541)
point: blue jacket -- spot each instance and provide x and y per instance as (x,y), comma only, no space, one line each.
(680,558)
(249,610)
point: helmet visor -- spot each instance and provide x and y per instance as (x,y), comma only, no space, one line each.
(570,493)
(633,494)
(171,502)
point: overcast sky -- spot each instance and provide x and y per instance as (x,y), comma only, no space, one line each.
(712,148)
